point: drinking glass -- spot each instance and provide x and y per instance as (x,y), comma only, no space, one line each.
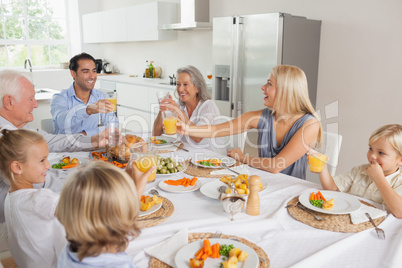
(209,76)
(112,97)
(144,157)
(170,118)
(233,203)
(161,95)
(114,132)
(317,157)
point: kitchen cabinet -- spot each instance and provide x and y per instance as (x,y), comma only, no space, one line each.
(135,23)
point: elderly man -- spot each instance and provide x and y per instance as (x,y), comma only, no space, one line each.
(17,103)
(78,108)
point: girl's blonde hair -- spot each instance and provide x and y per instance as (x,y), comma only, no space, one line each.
(392,133)
(98,207)
(292,92)
(13,147)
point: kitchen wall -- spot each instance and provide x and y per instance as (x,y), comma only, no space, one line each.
(360,60)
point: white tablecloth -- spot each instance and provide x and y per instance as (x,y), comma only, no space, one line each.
(287,242)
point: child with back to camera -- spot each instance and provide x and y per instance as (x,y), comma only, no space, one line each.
(98,207)
(35,235)
(381,179)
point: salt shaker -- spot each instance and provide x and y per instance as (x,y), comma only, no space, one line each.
(253,201)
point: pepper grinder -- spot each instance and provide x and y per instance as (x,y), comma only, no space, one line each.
(253,201)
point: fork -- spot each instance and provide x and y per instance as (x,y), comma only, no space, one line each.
(318,218)
(217,234)
(380,232)
(226,166)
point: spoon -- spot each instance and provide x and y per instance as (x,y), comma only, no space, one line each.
(155,192)
(222,190)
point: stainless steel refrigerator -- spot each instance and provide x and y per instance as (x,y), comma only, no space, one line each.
(246,48)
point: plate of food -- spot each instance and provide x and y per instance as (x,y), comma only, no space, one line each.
(342,203)
(68,162)
(210,189)
(162,141)
(149,204)
(213,161)
(168,166)
(183,185)
(245,255)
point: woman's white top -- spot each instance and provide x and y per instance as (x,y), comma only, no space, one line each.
(35,236)
(206,113)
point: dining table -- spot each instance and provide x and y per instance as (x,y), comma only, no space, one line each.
(286,241)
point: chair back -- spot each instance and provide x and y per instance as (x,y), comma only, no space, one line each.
(47,125)
(334,141)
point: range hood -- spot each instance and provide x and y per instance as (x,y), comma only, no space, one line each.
(194,16)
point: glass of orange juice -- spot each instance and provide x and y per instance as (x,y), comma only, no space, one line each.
(144,157)
(112,97)
(169,121)
(317,157)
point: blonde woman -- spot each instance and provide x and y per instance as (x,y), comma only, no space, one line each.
(99,206)
(285,128)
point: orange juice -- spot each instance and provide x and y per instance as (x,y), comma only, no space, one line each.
(114,101)
(317,162)
(146,162)
(170,125)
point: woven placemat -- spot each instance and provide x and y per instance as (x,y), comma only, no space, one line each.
(155,263)
(160,212)
(335,222)
(194,170)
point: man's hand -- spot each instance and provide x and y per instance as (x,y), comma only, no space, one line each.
(101,106)
(100,139)
(374,171)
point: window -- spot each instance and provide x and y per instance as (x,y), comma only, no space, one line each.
(35,30)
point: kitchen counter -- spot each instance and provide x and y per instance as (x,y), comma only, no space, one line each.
(44,93)
(126,79)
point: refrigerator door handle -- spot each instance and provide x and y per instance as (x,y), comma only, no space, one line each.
(235,71)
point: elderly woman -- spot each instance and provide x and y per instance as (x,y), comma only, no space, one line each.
(195,108)
(285,128)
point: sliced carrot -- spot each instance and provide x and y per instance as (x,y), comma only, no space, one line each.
(193,181)
(199,251)
(311,196)
(187,183)
(200,254)
(207,247)
(321,196)
(70,166)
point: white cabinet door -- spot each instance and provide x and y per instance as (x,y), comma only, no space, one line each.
(114,24)
(92,31)
(133,96)
(133,119)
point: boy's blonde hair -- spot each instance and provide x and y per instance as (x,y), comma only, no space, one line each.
(392,133)
(292,92)
(13,147)
(98,207)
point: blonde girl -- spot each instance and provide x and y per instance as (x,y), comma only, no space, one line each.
(381,179)
(98,207)
(35,236)
(285,128)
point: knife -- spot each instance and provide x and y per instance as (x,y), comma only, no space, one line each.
(180,147)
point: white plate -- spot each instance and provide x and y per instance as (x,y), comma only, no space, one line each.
(210,189)
(180,188)
(169,141)
(225,159)
(170,174)
(83,161)
(344,203)
(151,210)
(183,256)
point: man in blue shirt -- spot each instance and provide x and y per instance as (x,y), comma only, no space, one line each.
(78,108)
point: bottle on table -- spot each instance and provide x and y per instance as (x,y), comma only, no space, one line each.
(147,70)
(151,70)
(253,201)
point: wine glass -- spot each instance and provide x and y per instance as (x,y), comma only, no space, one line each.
(209,76)
(232,203)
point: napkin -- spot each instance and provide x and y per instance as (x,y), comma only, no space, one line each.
(359,215)
(242,169)
(167,250)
